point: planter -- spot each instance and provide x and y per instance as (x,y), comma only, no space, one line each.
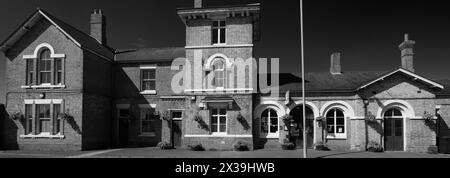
(17,116)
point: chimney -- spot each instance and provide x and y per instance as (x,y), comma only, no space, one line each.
(98,26)
(407,52)
(198,3)
(335,68)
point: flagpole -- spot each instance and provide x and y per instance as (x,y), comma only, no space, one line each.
(305,152)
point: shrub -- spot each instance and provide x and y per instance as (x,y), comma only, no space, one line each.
(196,147)
(164,146)
(241,146)
(375,147)
(321,146)
(288,146)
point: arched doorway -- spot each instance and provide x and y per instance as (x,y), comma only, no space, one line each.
(393,130)
(296,131)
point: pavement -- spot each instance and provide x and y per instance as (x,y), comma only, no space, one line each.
(182,153)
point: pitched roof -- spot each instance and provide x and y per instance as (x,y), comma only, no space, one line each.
(325,81)
(80,38)
(151,54)
(348,81)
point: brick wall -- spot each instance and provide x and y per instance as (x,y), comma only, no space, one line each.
(44,32)
(97,83)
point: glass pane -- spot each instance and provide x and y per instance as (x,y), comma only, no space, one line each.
(45,54)
(151,74)
(330,129)
(215,23)
(388,128)
(29,118)
(330,121)
(215,36)
(43,111)
(44,125)
(264,125)
(222,23)
(222,35)
(124,113)
(397,113)
(177,115)
(214,112)
(273,125)
(223,120)
(214,128)
(340,129)
(330,114)
(223,128)
(339,113)
(389,113)
(398,128)
(223,112)
(340,121)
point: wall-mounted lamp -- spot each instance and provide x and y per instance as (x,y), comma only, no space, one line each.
(366,101)
(42,95)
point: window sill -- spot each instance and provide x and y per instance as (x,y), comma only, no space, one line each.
(271,136)
(148,92)
(147,135)
(45,136)
(43,86)
(337,137)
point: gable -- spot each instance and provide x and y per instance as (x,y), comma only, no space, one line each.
(80,39)
(399,85)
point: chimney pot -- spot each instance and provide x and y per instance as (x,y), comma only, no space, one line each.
(198,3)
(336,64)
(98,26)
(407,53)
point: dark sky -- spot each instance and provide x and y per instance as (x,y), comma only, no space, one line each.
(367,32)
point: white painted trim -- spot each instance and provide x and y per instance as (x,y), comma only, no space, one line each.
(210,61)
(65,33)
(58,136)
(153,66)
(147,106)
(218,136)
(44,45)
(43,101)
(349,114)
(220,46)
(148,92)
(348,110)
(150,134)
(406,72)
(43,86)
(220,90)
(406,108)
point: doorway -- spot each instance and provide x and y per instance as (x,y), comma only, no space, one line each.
(177,123)
(296,131)
(393,130)
(123,127)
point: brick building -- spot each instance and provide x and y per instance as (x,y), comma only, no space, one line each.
(125,98)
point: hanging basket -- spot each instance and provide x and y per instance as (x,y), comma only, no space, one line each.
(17,116)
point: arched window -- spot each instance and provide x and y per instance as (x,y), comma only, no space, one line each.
(219,74)
(335,122)
(393,113)
(44,67)
(269,122)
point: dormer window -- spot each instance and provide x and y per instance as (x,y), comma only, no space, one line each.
(219,32)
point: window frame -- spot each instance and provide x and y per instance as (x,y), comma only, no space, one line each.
(220,28)
(151,122)
(35,127)
(222,70)
(34,73)
(336,135)
(142,80)
(269,134)
(217,117)
(47,70)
